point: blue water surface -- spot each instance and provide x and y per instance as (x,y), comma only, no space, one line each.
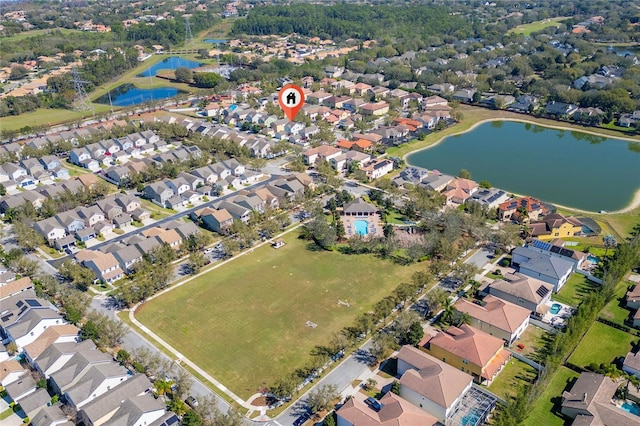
(170,63)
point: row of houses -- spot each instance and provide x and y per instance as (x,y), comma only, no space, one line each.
(31,172)
(86,223)
(191,187)
(37,196)
(108,152)
(220,216)
(101,391)
(113,261)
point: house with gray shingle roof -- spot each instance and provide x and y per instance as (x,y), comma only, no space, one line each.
(102,408)
(137,410)
(50,416)
(553,270)
(98,380)
(56,355)
(32,324)
(34,402)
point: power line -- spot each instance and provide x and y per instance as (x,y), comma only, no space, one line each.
(81,100)
(188,37)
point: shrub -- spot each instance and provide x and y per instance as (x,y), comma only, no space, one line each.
(504,262)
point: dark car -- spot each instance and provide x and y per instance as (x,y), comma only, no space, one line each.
(302,419)
(371,402)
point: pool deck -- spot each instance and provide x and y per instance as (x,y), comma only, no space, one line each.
(375,228)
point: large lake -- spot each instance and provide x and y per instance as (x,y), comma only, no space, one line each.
(565,167)
(128,94)
(170,63)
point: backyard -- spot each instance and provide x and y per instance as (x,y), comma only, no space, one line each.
(576,287)
(615,310)
(542,412)
(610,343)
(246,321)
(514,375)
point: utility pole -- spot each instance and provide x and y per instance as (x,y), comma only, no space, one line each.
(81,100)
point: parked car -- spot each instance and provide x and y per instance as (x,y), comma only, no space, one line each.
(371,402)
(191,401)
(302,419)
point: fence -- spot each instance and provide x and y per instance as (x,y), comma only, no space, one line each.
(589,276)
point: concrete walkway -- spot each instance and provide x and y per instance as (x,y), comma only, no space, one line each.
(180,358)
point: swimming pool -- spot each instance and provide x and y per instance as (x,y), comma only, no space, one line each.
(631,407)
(593,259)
(555,308)
(362,227)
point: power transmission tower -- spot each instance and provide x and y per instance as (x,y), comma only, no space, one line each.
(188,37)
(80,98)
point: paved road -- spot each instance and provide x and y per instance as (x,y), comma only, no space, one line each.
(178,215)
(481,257)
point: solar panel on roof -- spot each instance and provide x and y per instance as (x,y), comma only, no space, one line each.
(541,245)
(542,291)
(32,302)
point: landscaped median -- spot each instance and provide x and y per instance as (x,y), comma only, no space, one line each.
(246,322)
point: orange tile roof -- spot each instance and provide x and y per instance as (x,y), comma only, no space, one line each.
(468,343)
(499,313)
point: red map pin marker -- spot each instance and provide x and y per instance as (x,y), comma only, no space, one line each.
(291,99)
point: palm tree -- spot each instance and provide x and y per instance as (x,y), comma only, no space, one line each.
(163,387)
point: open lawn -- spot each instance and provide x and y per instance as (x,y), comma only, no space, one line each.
(32,33)
(601,345)
(534,340)
(543,412)
(47,117)
(527,29)
(576,287)
(514,375)
(615,310)
(244,322)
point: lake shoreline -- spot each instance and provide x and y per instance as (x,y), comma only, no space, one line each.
(632,205)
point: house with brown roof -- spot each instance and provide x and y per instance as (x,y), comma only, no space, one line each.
(591,402)
(10,371)
(88,180)
(14,287)
(323,152)
(470,350)
(428,383)
(516,207)
(218,220)
(104,265)
(375,109)
(394,411)
(555,225)
(167,236)
(54,334)
(495,316)
(521,290)
(632,297)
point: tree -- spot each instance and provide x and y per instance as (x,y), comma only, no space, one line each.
(414,335)
(485,184)
(184,74)
(383,345)
(26,236)
(464,174)
(163,387)
(89,331)
(191,418)
(395,387)
(196,261)
(465,271)
(18,72)
(208,80)
(123,357)
(609,242)
(183,381)
(322,398)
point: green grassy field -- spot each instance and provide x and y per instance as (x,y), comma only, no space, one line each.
(515,375)
(574,290)
(615,310)
(244,322)
(527,29)
(601,345)
(542,413)
(26,34)
(46,117)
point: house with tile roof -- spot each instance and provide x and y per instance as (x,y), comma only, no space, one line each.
(496,317)
(514,208)
(428,383)
(323,152)
(522,290)
(543,266)
(394,411)
(555,225)
(470,350)
(590,402)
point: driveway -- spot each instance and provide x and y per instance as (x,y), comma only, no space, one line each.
(481,258)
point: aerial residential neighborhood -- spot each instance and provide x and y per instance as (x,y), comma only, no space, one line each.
(443,231)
